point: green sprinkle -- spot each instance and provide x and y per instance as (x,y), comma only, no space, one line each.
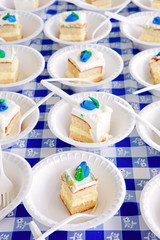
(4,18)
(95,102)
(2,100)
(75,15)
(2,54)
(82,115)
(89,52)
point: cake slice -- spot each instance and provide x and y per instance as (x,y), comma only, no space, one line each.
(90,122)
(86,64)
(79,188)
(9,116)
(154,64)
(155,4)
(100,3)
(26,5)
(10,28)
(9,65)
(151,32)
(73,26)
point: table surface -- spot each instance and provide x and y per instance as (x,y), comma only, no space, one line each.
(137,161)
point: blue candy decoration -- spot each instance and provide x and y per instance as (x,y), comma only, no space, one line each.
(10,18)
(158,54)
(85,56)
(156,20)
(3,105)
(88,105)
(85,168)
(72,17)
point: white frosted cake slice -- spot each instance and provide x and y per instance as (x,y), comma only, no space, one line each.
(90,122)
(151,33)
(10,28)
(26,5)
(73,26)
(79,188)
(9,116)
(154,64)
(100,3)
(9,64)
(155,4)
(88,64)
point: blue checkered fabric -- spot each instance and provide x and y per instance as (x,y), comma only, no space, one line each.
(137,161)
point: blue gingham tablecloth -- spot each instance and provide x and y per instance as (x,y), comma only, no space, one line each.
(137,161)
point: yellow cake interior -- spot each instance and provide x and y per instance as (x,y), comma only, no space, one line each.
(150,35)
(95,74)
(155,71)
(11,32)
(155,4)
(100,3)
(12,123)
(73,32)
(80,130)
(80,201)
(9,71)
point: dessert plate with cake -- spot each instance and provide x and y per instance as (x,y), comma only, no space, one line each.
(145,68)
(149,204)
(14,26)
(95,63)
(75,27)
(19,172)
(72,182)
(12,107)
(147,36)
(26,5)
(151,113)
(100,5)
(19,65)
(93,122)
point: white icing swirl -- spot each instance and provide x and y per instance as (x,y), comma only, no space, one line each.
(82,18)
(96,60)
(9,54)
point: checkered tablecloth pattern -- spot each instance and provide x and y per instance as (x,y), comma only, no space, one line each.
(137,161)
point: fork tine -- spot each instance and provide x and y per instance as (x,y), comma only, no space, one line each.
(98,209)
(3,200)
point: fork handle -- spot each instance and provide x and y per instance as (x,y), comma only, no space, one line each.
(59,225)
(118,17)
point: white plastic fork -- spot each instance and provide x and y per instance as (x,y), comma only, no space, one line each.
(6,186)
(102,24)
(121,18)
(17,128)
(79,3)
(2,40)
(68,80)
(97,210)
(59,92)
(139,117)
(148,88)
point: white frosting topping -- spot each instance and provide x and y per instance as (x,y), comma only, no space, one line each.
(9,54)
(7,115)
(25,4)
(151,25)
(96,60)
(98,119)
(75,185)
(6,22)
(82,18)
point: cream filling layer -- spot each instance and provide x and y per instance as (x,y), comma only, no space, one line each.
(71,37)
(92,196)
